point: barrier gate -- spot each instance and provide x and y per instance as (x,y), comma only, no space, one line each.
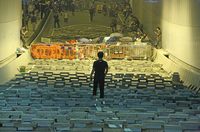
(120,50)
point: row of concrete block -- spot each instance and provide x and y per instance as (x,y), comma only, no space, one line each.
(120,75)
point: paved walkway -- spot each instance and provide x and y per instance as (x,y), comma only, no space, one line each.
(80,18)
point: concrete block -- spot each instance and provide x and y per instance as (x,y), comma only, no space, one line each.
(145,115)
(158,127)
(47,113)
(64,129)
(25,129)
(21,108)
(61,124)
(97,130)
(11,113)
(126,116)
(183,103)
(173,127)
(166,110)
(44,125)
(33,73)
(191,128)
(180,116)
(10,129)
(59,84)
(105,115)
(153,122)
(39,120)
(50,108)
(85,109)
(8,124)
(171,130)
(132,130)
(48,73)
(81,129)
(114,110)
(189,123)
(48,103)
(81,121)
(78,115)
(115,122)
(135,126)
(3,103)
(158,102)
(191,111)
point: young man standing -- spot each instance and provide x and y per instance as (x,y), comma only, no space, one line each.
(158,33)
(100,68)
(22,36)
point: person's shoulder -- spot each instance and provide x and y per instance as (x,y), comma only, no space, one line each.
(96,61)
(104,61)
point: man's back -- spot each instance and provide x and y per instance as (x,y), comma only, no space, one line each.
(100,67)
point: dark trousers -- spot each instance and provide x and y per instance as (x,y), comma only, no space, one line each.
(24,41)
(91,17)
(42,13)
(99,81)
(56,22)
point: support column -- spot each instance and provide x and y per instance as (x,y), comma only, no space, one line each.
(10,24)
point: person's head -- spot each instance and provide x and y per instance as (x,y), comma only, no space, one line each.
(138,33)
(158,28)
(23,27)
(144,34)
(100,55)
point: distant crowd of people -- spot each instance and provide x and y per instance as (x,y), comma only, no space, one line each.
(130,24)
(35,10)
(32,11)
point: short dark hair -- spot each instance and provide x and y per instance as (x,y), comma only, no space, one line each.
(158,28)
(100,54)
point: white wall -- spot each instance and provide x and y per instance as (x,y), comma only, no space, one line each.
(181,30)
(180,24)
(10,24)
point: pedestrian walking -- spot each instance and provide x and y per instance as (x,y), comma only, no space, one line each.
(43,6)
(73,8)
(66,17)
(91,13)
(56,20)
